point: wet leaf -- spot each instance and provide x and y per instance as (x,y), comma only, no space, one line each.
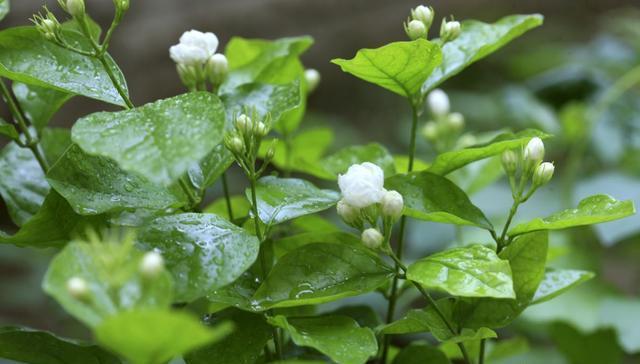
(431,197)
(25,56)
(556,282)
(591,210)
(265,99)
(95,185)
(339,162)
(317,273)
(160,140)
(476,41)
(203,252)
(8,130)
(338,337)
(474,271)
(419,354)
(39,103)
(4,8)
(282,199)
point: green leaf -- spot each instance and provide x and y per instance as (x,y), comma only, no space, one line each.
(110,291)
(591,210)
(202,251)
(425,320)
(265,99)
(210,168)
(402,164)
(401,67)
(282,199)
(239,293)
(95,185)
(4,8)
(476,41)
(527,256)
(23,186)
(30,346)
(264,61)
(290,243)
(39,103)
(318,273)
(338,337)
(239,204)
(25,56)
(420,354)
(431,197)
(156,336)
(473,335)
(365,315)
(474,271)
(53,225)
(8,130)
(448,162)
(339,162)
(594,347)
(556,282)
(243,346)
(160,140)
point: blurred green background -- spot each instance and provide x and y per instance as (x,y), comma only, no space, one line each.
(577,77)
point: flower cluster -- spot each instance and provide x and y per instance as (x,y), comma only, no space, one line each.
(444,130)
(244,142)
(197,61)
(418,24)
(527,165)
(365,200)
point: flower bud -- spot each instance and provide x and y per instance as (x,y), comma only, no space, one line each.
(78,288)
(438,102)
(312,78)
(48,26)
(430,130)
(217,68)
(543,174)
(371,238)
(392,204)
(261,129)
(188,75)
(424,14)
(243,123)
(348,213)
(415,29)
(510,161)
(121,5)
(235,144)
(455,120)
(75,8)
(271,152)
(533,153)
(449,30)
(151,264)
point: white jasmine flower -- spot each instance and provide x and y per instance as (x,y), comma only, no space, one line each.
(543,174)
(151,264)
(362,185)
(195,48)
(208,42)
(187,55)
(77,287)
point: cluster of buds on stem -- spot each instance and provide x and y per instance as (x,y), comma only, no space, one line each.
(244,142)
(418,24)
(366,205)
(48,25)
(445,129)
(527,165)
(197,61)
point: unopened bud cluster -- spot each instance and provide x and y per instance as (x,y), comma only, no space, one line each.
(527,165)
(197,61)
(48,25)
(245,139)
(418,24)
(365,202)
(446,127)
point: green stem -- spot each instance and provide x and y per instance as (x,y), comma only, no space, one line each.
(227,197)
(393,296)
(481,355)
(277,339)
(20,119)
(193,201)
